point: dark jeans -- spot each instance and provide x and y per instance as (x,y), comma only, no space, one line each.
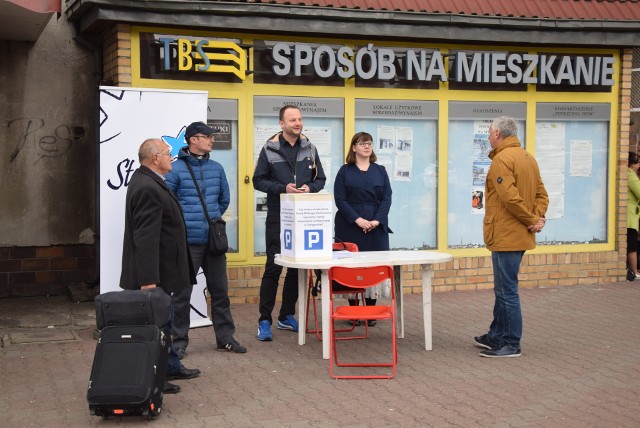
(506,327)
(173,364)
(214,268)
(271,277)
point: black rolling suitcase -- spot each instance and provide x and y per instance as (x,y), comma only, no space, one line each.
(130,363)
(129,371)
(133,307)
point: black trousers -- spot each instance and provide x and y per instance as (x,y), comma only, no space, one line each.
(214,268)
(271,277)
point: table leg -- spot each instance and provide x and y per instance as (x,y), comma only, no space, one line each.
(427,273)
(302,305)
(397,280)
(326,315)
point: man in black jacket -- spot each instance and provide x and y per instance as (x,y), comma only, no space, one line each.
(155,252)
(288,163)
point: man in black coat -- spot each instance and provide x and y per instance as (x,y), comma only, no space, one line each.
(155,252)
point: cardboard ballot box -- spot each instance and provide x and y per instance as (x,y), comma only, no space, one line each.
(306,226)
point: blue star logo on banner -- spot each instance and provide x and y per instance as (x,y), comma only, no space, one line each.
(175,142)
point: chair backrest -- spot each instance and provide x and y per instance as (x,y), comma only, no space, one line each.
(341,246)
(360,277)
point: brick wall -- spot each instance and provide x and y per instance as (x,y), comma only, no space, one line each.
(37,271)
(473,273)
(624,131)
(116,55)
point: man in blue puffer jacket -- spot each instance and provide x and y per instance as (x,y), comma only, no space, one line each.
(215,190)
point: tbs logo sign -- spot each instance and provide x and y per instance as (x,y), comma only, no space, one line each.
(313,239)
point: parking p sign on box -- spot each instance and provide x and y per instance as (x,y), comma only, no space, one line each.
(287,239)
(306,224)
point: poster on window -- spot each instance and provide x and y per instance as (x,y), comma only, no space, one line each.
(481,164)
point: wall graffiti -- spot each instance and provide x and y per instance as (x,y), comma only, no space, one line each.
(49,142)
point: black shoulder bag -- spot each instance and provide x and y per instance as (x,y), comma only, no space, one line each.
(218,242)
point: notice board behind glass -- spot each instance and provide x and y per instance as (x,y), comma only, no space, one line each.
(323,120)
(468,164)
(572,141)
(405,142)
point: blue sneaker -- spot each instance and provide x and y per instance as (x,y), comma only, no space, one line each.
(289,323)
(264,331)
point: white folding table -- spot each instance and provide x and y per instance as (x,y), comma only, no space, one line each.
(363,259)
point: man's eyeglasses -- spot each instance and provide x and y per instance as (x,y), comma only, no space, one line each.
(364,143)
(204,136)
(161,154)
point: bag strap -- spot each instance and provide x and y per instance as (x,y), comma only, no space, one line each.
(195,182)
(341,242)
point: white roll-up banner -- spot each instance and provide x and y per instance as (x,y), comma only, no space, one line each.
(128,116)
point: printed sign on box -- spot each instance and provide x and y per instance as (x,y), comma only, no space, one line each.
(306,226)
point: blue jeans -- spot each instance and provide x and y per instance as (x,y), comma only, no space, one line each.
(506,327)
(174,363)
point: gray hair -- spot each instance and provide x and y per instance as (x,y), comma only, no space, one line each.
(506,125)
(149,147)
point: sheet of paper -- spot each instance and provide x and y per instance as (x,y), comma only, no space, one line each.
(580,158)
(550,154)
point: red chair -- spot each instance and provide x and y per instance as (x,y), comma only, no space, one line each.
(312,291)
(363,278)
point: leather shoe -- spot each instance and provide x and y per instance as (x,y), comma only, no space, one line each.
(183,373)
(170,388)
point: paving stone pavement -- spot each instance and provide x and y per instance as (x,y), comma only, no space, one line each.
(580,368)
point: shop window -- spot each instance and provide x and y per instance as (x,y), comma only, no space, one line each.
(468,164)
(323,120)
(223,114)
(405,143)
(572,142)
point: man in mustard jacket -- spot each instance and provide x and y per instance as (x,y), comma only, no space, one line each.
(515,205)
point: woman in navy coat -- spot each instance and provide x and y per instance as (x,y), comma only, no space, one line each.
(362,193)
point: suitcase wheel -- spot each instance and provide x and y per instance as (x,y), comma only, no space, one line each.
(151,412)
